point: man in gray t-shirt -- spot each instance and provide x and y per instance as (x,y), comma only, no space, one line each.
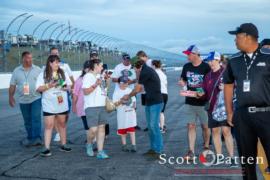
(23,82)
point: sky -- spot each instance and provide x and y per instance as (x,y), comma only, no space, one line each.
(170,25)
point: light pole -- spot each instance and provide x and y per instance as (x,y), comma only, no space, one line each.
(57,37)
(75,29)
(55,29)
(84,38)
(5,39)
(36,28)
(41,38)
(11,22)
(80,45)
(46,29)
(18,32)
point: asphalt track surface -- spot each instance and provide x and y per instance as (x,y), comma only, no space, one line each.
(21,163)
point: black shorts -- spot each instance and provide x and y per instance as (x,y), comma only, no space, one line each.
(85,124)
(165,100)
(214,124)
(54,114)
(143,100)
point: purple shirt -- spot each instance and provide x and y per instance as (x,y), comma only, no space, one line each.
(78,91)
(208,85)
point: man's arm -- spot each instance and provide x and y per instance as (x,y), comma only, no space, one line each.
(11,92)
(115,80)
(132,81)
(228,97)
(138,88)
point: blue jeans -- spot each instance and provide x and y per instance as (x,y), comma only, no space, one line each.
(32,119)
(153,117)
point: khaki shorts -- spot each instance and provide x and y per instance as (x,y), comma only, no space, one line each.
(192,113)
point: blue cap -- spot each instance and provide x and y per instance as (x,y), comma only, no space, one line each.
(126,57)
(213,56)
(123,79)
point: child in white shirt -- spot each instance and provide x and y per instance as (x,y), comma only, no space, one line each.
(126,115)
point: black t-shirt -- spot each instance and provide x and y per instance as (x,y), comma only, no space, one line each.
(151,82)
(259,76)
(194,76)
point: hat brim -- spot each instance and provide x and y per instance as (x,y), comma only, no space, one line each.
(207,60)
(187,52)
(233,32)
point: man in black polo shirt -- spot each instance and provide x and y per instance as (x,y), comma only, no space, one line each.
(154,103)
(249,73)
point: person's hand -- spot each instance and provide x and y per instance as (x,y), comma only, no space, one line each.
(125,98)
(98,82)
(52,84)
(130,81)
(107,76)
(229,119)
(200,94)
(181,83)
(65,88)
(221,86)
(12,101)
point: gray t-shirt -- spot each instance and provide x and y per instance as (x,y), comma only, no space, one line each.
(20,77)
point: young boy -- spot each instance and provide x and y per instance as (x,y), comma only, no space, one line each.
(126,115)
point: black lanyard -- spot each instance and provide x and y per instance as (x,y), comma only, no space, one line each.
(252,59)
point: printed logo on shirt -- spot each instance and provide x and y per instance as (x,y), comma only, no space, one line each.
(126,73)
(261,64)
(194,80)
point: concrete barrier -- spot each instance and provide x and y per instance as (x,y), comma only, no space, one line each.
(5,78)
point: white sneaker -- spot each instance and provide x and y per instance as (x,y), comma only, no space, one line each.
(56,137)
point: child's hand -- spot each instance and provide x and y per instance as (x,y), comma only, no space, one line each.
(181,83)
(200,94)
(134,105)
(221,86)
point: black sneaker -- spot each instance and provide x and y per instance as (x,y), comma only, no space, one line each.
(153,157)
(26,143)
(267,171)
(163,130)
(133,148)
(125,148)
(37,142)
(149,152)
(45,153)
(233,163)
(138,128)
(65,148)
(95,146)
(189,156)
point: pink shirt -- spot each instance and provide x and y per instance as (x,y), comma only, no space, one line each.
(78,91)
